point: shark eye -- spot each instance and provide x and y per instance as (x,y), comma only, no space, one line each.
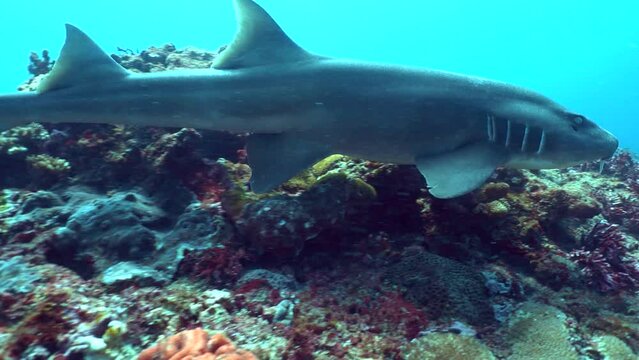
(576,122)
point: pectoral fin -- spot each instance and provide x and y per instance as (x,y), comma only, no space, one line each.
(275,158)
(463,170)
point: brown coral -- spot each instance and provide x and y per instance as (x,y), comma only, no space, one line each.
(446,287)
(195,345)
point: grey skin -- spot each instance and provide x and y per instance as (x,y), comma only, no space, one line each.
(301,107)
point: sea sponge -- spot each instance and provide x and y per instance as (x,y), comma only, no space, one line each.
(195,345)
(439,346)
(539,331)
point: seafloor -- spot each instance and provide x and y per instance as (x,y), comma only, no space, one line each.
(114,237)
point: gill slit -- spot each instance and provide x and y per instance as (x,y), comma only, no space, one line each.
(508,134)
(490,128)
(524,142)
(542,143)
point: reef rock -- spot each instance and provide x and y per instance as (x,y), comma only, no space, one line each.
(447,288)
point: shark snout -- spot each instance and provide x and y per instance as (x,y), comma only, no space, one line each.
(610,145)
(592,144)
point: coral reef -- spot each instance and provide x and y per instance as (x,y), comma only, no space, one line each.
(447,346)
(112,237)
(605,261)
(167,57)
(282,226)
(40,66)
(611,347)
(16,277)
(539,332)
(443,286)
(99,231)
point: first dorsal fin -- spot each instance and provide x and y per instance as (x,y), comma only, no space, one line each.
(259,41)
(81,61)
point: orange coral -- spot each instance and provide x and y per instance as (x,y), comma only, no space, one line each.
(195,345)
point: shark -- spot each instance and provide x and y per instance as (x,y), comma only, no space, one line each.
(299,108)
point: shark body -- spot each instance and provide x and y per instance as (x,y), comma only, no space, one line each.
(300,108)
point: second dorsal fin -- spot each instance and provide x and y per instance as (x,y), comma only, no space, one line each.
(259,41)
(81,61)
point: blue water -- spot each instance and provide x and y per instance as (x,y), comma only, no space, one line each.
(584,54)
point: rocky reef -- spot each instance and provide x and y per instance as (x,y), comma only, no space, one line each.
(118,242)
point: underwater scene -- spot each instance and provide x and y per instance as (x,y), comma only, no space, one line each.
(265,198)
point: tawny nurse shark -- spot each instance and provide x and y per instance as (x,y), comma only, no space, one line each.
(299,108)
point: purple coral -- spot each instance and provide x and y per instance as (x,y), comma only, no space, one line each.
(625,166)
(621,210)
(604,260)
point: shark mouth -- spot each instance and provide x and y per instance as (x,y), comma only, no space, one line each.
(515,136)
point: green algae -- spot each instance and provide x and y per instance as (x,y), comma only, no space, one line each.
(235,199)
(3,202)
(357,188)
(6,204)
(307,178)
(325,165)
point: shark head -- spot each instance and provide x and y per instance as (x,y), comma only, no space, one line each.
(576,140)
(525,131)
(542,135)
